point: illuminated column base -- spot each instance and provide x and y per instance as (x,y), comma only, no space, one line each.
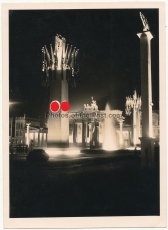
(58,128)
(147,152)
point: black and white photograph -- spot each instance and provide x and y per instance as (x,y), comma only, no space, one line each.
(84,112)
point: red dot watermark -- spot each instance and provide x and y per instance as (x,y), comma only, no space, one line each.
(65,106)
(55,106)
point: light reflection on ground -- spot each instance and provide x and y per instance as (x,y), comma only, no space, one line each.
(63,153)
(134,148)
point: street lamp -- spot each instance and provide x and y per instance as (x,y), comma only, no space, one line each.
(134,104)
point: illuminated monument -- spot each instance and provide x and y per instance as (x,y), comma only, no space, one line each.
(60,68)
(147,141)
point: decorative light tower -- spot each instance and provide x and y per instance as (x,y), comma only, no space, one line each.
(147,142)
(60,67)
(133,105)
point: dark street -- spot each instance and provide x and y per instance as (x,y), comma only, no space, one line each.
(83,185)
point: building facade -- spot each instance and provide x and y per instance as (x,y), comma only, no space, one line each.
(85,129)
(20,127)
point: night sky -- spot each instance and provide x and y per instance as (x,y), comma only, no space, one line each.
(109,54)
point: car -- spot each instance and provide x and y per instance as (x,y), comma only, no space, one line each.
(37,155)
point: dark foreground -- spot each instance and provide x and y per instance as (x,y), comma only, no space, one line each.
(87,185)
